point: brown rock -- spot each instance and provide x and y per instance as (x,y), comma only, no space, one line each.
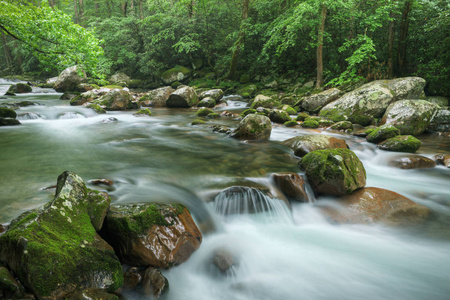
(131,278)
(372,205)
(412,162)
(442,159)
(154,284)
(2,228)
(304,144)
(101,181)
(291,185)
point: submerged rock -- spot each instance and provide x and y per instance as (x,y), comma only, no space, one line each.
(440,159)
(401,143)
(254,127)
(223,260)
(412,162)
(156,98)
(183,97)
(55,249)
(291,185)
(382,133)
(305,144)
(372,205)
(152,234)
(334,171)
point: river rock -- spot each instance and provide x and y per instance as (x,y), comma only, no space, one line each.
(19,88)
(401,143)
(247,91)
(291,185)
(440,159)
(116,99)
(263,101)
(68,80)
(304,144)
(9,285)
(314,103)
(441,101)
(120,79)
(410,116)
(245,200)
(175,74)
(370,101)
(334,171)
(253,127)
(152,234)
(223,260)
(7,113)
(412,162)
(9,122)
(183,97)
(55,249)
(382,133)
(131,278)
(156,98)
(441,120)
(342,125)
(207,102)
(91,294)
(373,205)
(216,94)
(154,284)
(279,116)
(69,95)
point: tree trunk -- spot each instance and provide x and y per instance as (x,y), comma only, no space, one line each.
(75,8)
(81,11)
(323,17)
(234,58)
(124,8)
(391,46)
(7,51)
(141,8)
(404,26)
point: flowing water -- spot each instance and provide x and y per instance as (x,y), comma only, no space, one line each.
(291,254)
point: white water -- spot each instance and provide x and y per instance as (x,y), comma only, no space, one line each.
(278,256)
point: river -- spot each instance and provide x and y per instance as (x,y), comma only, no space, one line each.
(287,254)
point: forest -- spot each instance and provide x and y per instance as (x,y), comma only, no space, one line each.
(332,42)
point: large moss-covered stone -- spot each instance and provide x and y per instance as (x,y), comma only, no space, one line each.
(152,234)
(68,80)
(9,122)
(441,120)
(441,101)
(178,73)
(373,205)
(9,285)
(55,249)
(334,171)
(401,143)
(382,133)
(156,98)
(116,99)
(216,94)
(410,116)
(304,144)
(19,88)
(183,97)
(120,79)
(247,91)
(315,102)
(370,101)
(207,102)
(279,116)
(7,113)
(254,127)
(264,101)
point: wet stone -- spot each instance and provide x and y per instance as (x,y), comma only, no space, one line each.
(154,284)
(223,260)
(442,159)
(412,162)
(291,185)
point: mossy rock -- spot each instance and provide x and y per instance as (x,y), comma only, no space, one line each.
(69,95)
(183,97)
(198,122)
(248,111)
(343,125)
(254,127)
(207,102)
(10,286)
(143,112)
(203,112)
(304,144)
(116,100)
(382,133)
(213,116)
(112,86)
(55,249)
(245,78)
(310,123)
(264,101)
(179,73)
(289,109)
(97,108)
(19,88)
(9,122)
(279,116)
(291,123)
(247,91)
(175,84)
(135,83)
(334,171)
(7,113)
(402,143)
(302,116)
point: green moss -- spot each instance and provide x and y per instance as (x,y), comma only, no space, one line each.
(213,116)
(245,78)
(403,143)
(333,114)
(302,117)
(143,112)
(203,112)
(291,123)
(97,108)
(310,123)
(175,84)
(382,133)
(197,122)
(248,112)
(113,87)
(290,110)
(7,113)
(135,83)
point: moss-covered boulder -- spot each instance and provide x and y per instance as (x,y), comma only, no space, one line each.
(198,122)
(248,111)
(334,171)
(302,116)
(7,113)
(441,101)
(143,112)
(305,144)
(253,127)
(382,133)
(314,103)
(401,143)
(440,159)
(310,123)
(95,107)
(68,80)
(203,112)
(152,234)
(9,122)
(412,162)
(179,73)
(264,101)
(289,109)
(373,205)
(121,79)
(291,123)
(279,116)
(410,116)
(247,91)
(55,249)
(19,88)
(183,97)
(216,94)
(69,95)
(91,294)
(371,100)
(342,125)
(9,285)
(207,102)
(156,98)
(116,99)
(441,120)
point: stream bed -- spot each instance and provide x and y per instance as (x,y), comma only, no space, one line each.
(290,254)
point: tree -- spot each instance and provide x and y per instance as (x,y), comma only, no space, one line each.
(239,43)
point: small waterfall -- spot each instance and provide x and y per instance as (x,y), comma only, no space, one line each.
(30,116)
(70,115)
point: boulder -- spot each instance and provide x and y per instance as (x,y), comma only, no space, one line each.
(175,74)
(203,112)
(116,99)
(291,185)
(410,116)
(310,123)
(223,260)
(401,143)
(334,171)
(441,101)
(152,234)
(156,98)
(382,133)
(372,205)
(68,80)
(264,101)
(254,127)
(9,285)
(183,97)
(154,284)
(207,102)
(216,94)
(91,294)
(55,249)
(279,116)
(305,144)
(342,125)
(412,162)
(7,113)
(441,121)
(9,122)
(440,159)
(371,100)
(143,112)
(247,91)
(120,79)
(69,95)
(86,87)
(19,88)
(314,103)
